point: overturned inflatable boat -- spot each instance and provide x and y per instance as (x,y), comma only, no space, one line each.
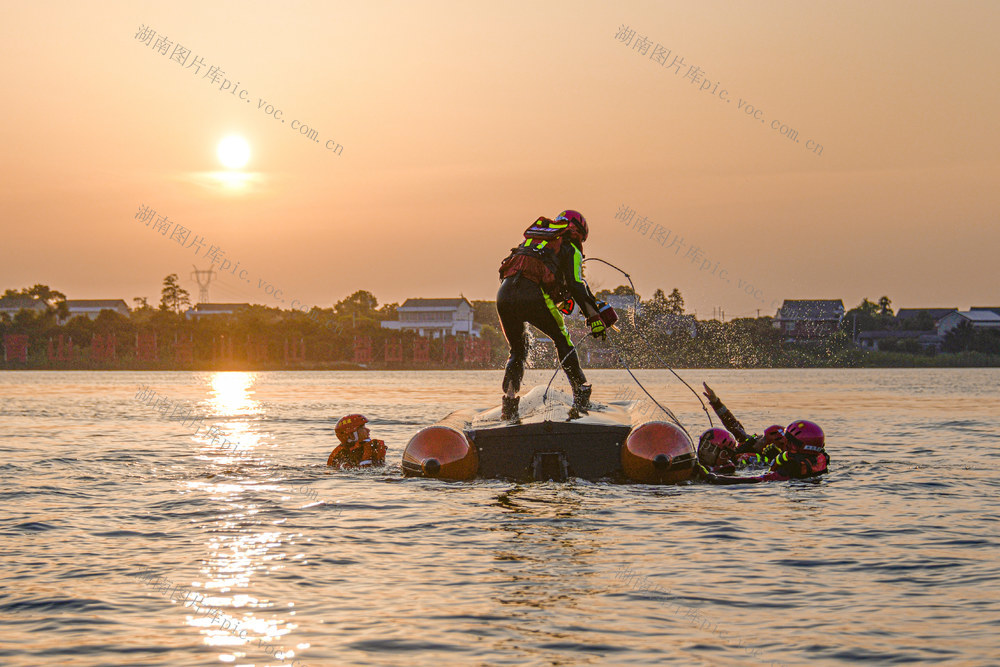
(552,441)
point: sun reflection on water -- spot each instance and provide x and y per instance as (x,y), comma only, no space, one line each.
(235,412)
(244,543)
(231,394)
(240,550)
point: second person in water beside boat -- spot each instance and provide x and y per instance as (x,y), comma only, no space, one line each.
(804,456)
(748,444)
(794,452)
(717,450)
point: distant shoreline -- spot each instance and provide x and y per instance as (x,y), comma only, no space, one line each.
(876,360)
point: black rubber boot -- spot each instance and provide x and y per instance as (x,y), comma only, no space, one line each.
(508,410)
(581,396)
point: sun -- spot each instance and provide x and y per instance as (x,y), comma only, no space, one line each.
(233,152)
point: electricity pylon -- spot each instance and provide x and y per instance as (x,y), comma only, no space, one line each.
(202,287)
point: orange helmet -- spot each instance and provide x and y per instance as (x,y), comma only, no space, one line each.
(347,427)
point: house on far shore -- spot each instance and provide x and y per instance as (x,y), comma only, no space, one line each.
(908,317)
(12,305)
(873,340)
(91,308)
(435,317)
(809,319)
(992,309)
(980,319)
(211,309)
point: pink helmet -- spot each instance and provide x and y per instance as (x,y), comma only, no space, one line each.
(773,434)
(577,224)
(805,436)
(713,443)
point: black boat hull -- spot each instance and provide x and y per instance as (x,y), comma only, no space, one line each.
(552,441)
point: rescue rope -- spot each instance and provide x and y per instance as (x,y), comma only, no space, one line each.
(635,299)
(621,359)
(558,368)
(673,417)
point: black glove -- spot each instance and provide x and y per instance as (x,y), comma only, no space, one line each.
(597,328)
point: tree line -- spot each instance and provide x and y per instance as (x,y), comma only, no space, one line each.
(656,334)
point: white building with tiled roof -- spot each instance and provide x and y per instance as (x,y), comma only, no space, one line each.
(91,308)
(435,317)
(980,319)
(12,305)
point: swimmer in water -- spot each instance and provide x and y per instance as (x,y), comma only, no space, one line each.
(356,449)
(804,456)
(717,451)
(748,444)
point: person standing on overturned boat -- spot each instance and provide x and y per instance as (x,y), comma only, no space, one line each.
(542,279)
(356,448)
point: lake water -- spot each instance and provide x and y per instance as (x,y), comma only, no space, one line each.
(271,558)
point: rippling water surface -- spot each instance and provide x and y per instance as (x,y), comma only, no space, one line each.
(265,557)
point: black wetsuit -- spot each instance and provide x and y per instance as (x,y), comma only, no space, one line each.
(522,301)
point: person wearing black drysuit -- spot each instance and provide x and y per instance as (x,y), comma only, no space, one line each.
(539,275)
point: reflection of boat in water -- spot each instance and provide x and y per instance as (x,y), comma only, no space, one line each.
(550,440)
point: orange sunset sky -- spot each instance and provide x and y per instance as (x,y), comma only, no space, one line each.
(460,122)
